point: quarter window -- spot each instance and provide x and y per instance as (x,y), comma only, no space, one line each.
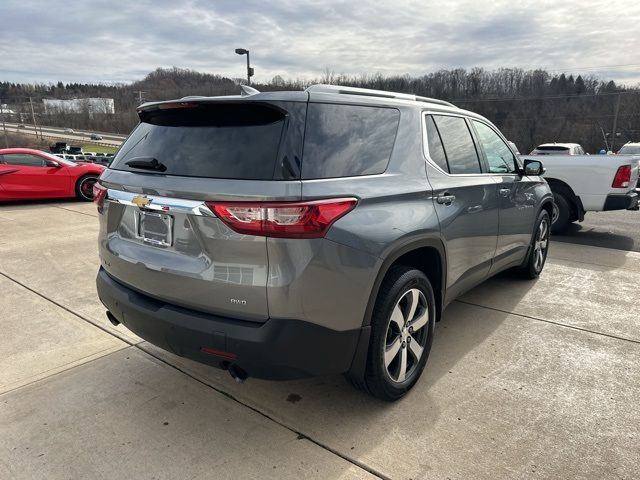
(458,145)
(348,140)
(499,155)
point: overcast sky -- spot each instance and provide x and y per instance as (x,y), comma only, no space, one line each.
(121,41)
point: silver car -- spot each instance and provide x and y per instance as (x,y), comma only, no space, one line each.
(287,234)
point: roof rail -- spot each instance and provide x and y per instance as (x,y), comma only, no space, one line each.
(322,88)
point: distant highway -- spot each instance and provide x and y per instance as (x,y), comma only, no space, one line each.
(57,133)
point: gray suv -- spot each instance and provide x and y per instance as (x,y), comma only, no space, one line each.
(287,234)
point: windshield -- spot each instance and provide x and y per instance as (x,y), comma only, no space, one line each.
(60,160)
(630,150)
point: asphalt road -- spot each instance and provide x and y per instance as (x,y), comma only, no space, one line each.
(59,134)
(619,230)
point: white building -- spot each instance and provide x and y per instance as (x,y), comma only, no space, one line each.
(79,105)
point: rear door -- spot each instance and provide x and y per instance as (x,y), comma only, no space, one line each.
(516,195)
(159,237)
(25,176)
(466,201)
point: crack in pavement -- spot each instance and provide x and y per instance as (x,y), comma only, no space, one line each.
(552,322)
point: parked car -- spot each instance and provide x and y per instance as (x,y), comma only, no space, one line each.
(31,174)
(630,148)
(590,183)
(95,136)
(274,263)
(558,149)
(69,130)
(21,125)
(58,147)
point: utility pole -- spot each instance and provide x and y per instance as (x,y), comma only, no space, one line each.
(33,117)
(615,122)
(140,93)
(4,127)
(249,72)
(243,51)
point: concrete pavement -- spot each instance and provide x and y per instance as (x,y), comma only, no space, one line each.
(618,229)
(525,379)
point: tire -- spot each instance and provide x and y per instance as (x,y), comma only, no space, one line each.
(390,376)
(84,187)
(539,248)
(562,213)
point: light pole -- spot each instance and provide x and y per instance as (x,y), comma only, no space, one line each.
(242,51)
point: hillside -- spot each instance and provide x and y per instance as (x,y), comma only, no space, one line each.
(530,107)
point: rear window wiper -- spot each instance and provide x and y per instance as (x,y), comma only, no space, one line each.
(146,163)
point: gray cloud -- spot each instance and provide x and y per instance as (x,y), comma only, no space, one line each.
(115,41)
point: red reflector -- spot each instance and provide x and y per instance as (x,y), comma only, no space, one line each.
(218,353)
(283,219)
(171,106)
(168,106)
(99,195)
(622,178)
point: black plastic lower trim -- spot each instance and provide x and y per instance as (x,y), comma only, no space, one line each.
(278,349)
(628,201)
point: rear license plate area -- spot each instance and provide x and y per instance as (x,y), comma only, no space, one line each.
(154,228)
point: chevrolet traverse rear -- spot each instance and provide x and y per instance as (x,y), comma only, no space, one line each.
(288,234)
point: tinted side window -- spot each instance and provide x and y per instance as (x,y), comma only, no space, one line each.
(436,150)
(499,155)
(23,159)
(348,140)
(458,144)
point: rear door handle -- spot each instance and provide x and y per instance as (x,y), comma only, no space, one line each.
(445,199)
(504,192)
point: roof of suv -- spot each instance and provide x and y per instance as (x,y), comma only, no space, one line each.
(330,93)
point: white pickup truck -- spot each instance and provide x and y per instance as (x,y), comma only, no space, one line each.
(589,183)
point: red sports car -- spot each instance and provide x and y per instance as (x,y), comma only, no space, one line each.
(30,174)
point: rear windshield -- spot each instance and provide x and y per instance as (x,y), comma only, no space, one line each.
(630,150)
(552,149)
(348,140)
(223,140)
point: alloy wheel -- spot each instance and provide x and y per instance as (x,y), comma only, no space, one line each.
(86,187)
(540,245)
(406,335)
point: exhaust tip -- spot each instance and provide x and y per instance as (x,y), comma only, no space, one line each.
(238,374)
(114,321)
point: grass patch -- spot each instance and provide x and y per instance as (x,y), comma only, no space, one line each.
(92,147)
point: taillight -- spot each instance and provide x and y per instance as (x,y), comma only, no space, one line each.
(99,195)
(283,219)
(622,178)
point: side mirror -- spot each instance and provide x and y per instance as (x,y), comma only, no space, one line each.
(52,163)
(533,168)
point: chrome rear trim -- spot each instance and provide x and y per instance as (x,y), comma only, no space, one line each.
(159,204)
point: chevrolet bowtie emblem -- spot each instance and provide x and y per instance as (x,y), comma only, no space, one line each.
(141,201)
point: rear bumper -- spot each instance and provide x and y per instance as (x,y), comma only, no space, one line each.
(628,201)
(278,349)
